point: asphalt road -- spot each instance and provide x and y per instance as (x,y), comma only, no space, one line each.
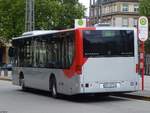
(13,100)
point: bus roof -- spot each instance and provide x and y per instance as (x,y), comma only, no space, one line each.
(35,33)
(38,32)
(44,32)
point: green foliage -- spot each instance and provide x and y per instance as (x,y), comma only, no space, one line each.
(59,15)
(145,7)
(11,17)
(49,14)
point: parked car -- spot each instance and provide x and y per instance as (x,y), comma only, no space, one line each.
(7,67)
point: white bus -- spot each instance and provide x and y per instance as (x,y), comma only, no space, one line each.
(77,61)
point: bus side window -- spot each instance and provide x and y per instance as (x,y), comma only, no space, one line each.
(60,50)
(53,52)
(68,49)
(28,54)
(48,53)
(39,53)
(42,53)
(24,54)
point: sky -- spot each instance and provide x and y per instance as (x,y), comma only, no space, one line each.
(86,3)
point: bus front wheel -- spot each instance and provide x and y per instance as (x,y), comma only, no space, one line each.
(22,81)
(22,84)
(54,88)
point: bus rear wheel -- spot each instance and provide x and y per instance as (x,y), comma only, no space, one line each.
(22,81)
(53,88)
(22,84)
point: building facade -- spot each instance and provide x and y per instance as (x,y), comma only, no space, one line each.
(116,12)
(4,58)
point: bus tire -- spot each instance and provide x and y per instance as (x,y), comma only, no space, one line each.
(22,83)
(53,88)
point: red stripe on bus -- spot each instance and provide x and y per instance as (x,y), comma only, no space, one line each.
(79,60)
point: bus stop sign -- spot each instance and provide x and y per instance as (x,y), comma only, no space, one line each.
(143,28)
(80,23)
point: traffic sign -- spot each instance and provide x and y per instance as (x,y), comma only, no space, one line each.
(143,28)
(80,23)
(143,36)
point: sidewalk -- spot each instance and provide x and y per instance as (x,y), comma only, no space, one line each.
(4,77)
(142,95)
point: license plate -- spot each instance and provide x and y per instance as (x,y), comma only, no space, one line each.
(110,85)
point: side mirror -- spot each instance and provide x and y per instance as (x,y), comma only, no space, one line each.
(11,52)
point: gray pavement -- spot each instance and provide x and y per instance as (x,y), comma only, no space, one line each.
(143,95)
(14,100)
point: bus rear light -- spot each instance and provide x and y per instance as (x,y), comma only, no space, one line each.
(86,85)
(82,85)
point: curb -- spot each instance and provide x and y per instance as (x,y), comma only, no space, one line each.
(133,96)
(5,78)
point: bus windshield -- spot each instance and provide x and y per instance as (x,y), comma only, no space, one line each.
(108,43)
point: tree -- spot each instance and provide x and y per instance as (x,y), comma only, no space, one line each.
(60,14)
(11,18)
(49,14)
(145,7)
(145,10)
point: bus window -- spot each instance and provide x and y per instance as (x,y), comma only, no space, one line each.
(53,51)
(49,54)
(108,43)
(68,49)
(50,51)
(25,53)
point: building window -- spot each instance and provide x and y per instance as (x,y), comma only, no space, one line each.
(93,2)
(135,22)
(114,22)
(92,12)
(114,8)
(118,8)
(107,10)
(136,7)
(125,8)
(124,22)
(95,12)
(100,11)
(104,10)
